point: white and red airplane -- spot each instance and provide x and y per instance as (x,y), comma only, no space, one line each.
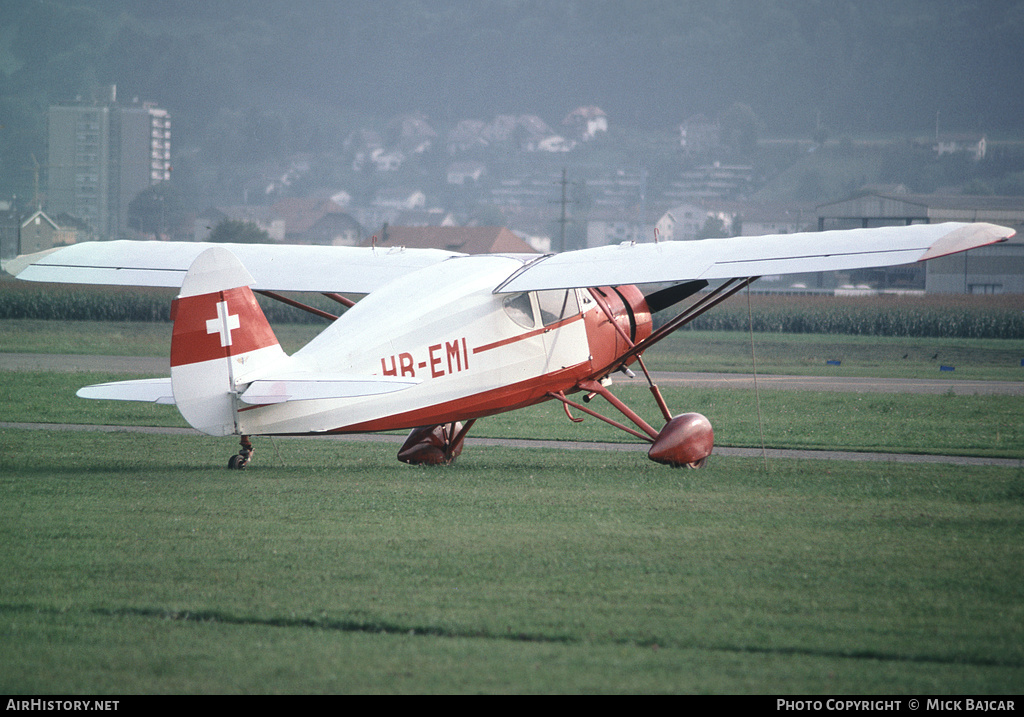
(442,339)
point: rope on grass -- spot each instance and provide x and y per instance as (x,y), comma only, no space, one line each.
(757,392)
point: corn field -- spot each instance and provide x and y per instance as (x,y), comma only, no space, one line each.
(930,316)
(952,316)
(94,303)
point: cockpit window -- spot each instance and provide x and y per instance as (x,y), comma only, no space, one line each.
(557,305)
(519,309)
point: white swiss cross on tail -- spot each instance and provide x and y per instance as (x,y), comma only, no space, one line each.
(224,324)
(216,303)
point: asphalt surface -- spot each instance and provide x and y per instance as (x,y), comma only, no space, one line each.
(160,365)
(70,363)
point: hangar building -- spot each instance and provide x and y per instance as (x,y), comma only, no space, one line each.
(997,269)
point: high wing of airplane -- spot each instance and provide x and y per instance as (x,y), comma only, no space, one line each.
(441,339)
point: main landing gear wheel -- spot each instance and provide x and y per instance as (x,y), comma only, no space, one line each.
(241,459)
(434,445)
(686,441)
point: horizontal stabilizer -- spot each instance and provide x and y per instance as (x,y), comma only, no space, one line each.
(309,387)
(149,390)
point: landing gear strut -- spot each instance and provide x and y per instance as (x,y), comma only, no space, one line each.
(685,441)
(241,459)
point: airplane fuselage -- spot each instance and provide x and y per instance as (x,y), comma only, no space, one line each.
(473,352)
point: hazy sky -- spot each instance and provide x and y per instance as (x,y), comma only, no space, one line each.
(852,64)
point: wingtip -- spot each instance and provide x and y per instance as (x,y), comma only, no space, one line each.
(968,236)
(17,266)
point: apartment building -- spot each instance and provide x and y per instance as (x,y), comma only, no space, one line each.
(101,155)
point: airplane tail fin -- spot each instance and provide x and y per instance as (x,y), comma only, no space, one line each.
(220,334)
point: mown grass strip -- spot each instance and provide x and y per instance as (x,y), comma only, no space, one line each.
(986,426)
(130,563)
(687,350)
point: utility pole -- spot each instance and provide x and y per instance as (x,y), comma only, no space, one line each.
(638,236)
(37,198)
(35,183)
(564,218)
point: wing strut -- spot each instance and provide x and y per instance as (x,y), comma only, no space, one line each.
(713,299)
(343,300)
(297,304)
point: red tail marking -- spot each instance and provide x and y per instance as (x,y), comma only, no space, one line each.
(218,325)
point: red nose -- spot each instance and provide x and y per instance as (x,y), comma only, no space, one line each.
(630,323)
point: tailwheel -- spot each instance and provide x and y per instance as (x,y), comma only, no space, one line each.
(241,459)
(434,445)
(686,441)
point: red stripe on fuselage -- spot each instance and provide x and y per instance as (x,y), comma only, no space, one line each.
(527,335)
(479,405)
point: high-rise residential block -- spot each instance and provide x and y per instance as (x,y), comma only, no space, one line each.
(101,155)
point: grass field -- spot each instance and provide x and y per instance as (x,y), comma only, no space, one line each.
(725,351)
(137,564)
(810,354)
(988,426)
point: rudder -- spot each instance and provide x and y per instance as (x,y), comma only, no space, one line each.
(219,334)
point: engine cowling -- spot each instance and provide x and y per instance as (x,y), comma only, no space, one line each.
(631,315)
